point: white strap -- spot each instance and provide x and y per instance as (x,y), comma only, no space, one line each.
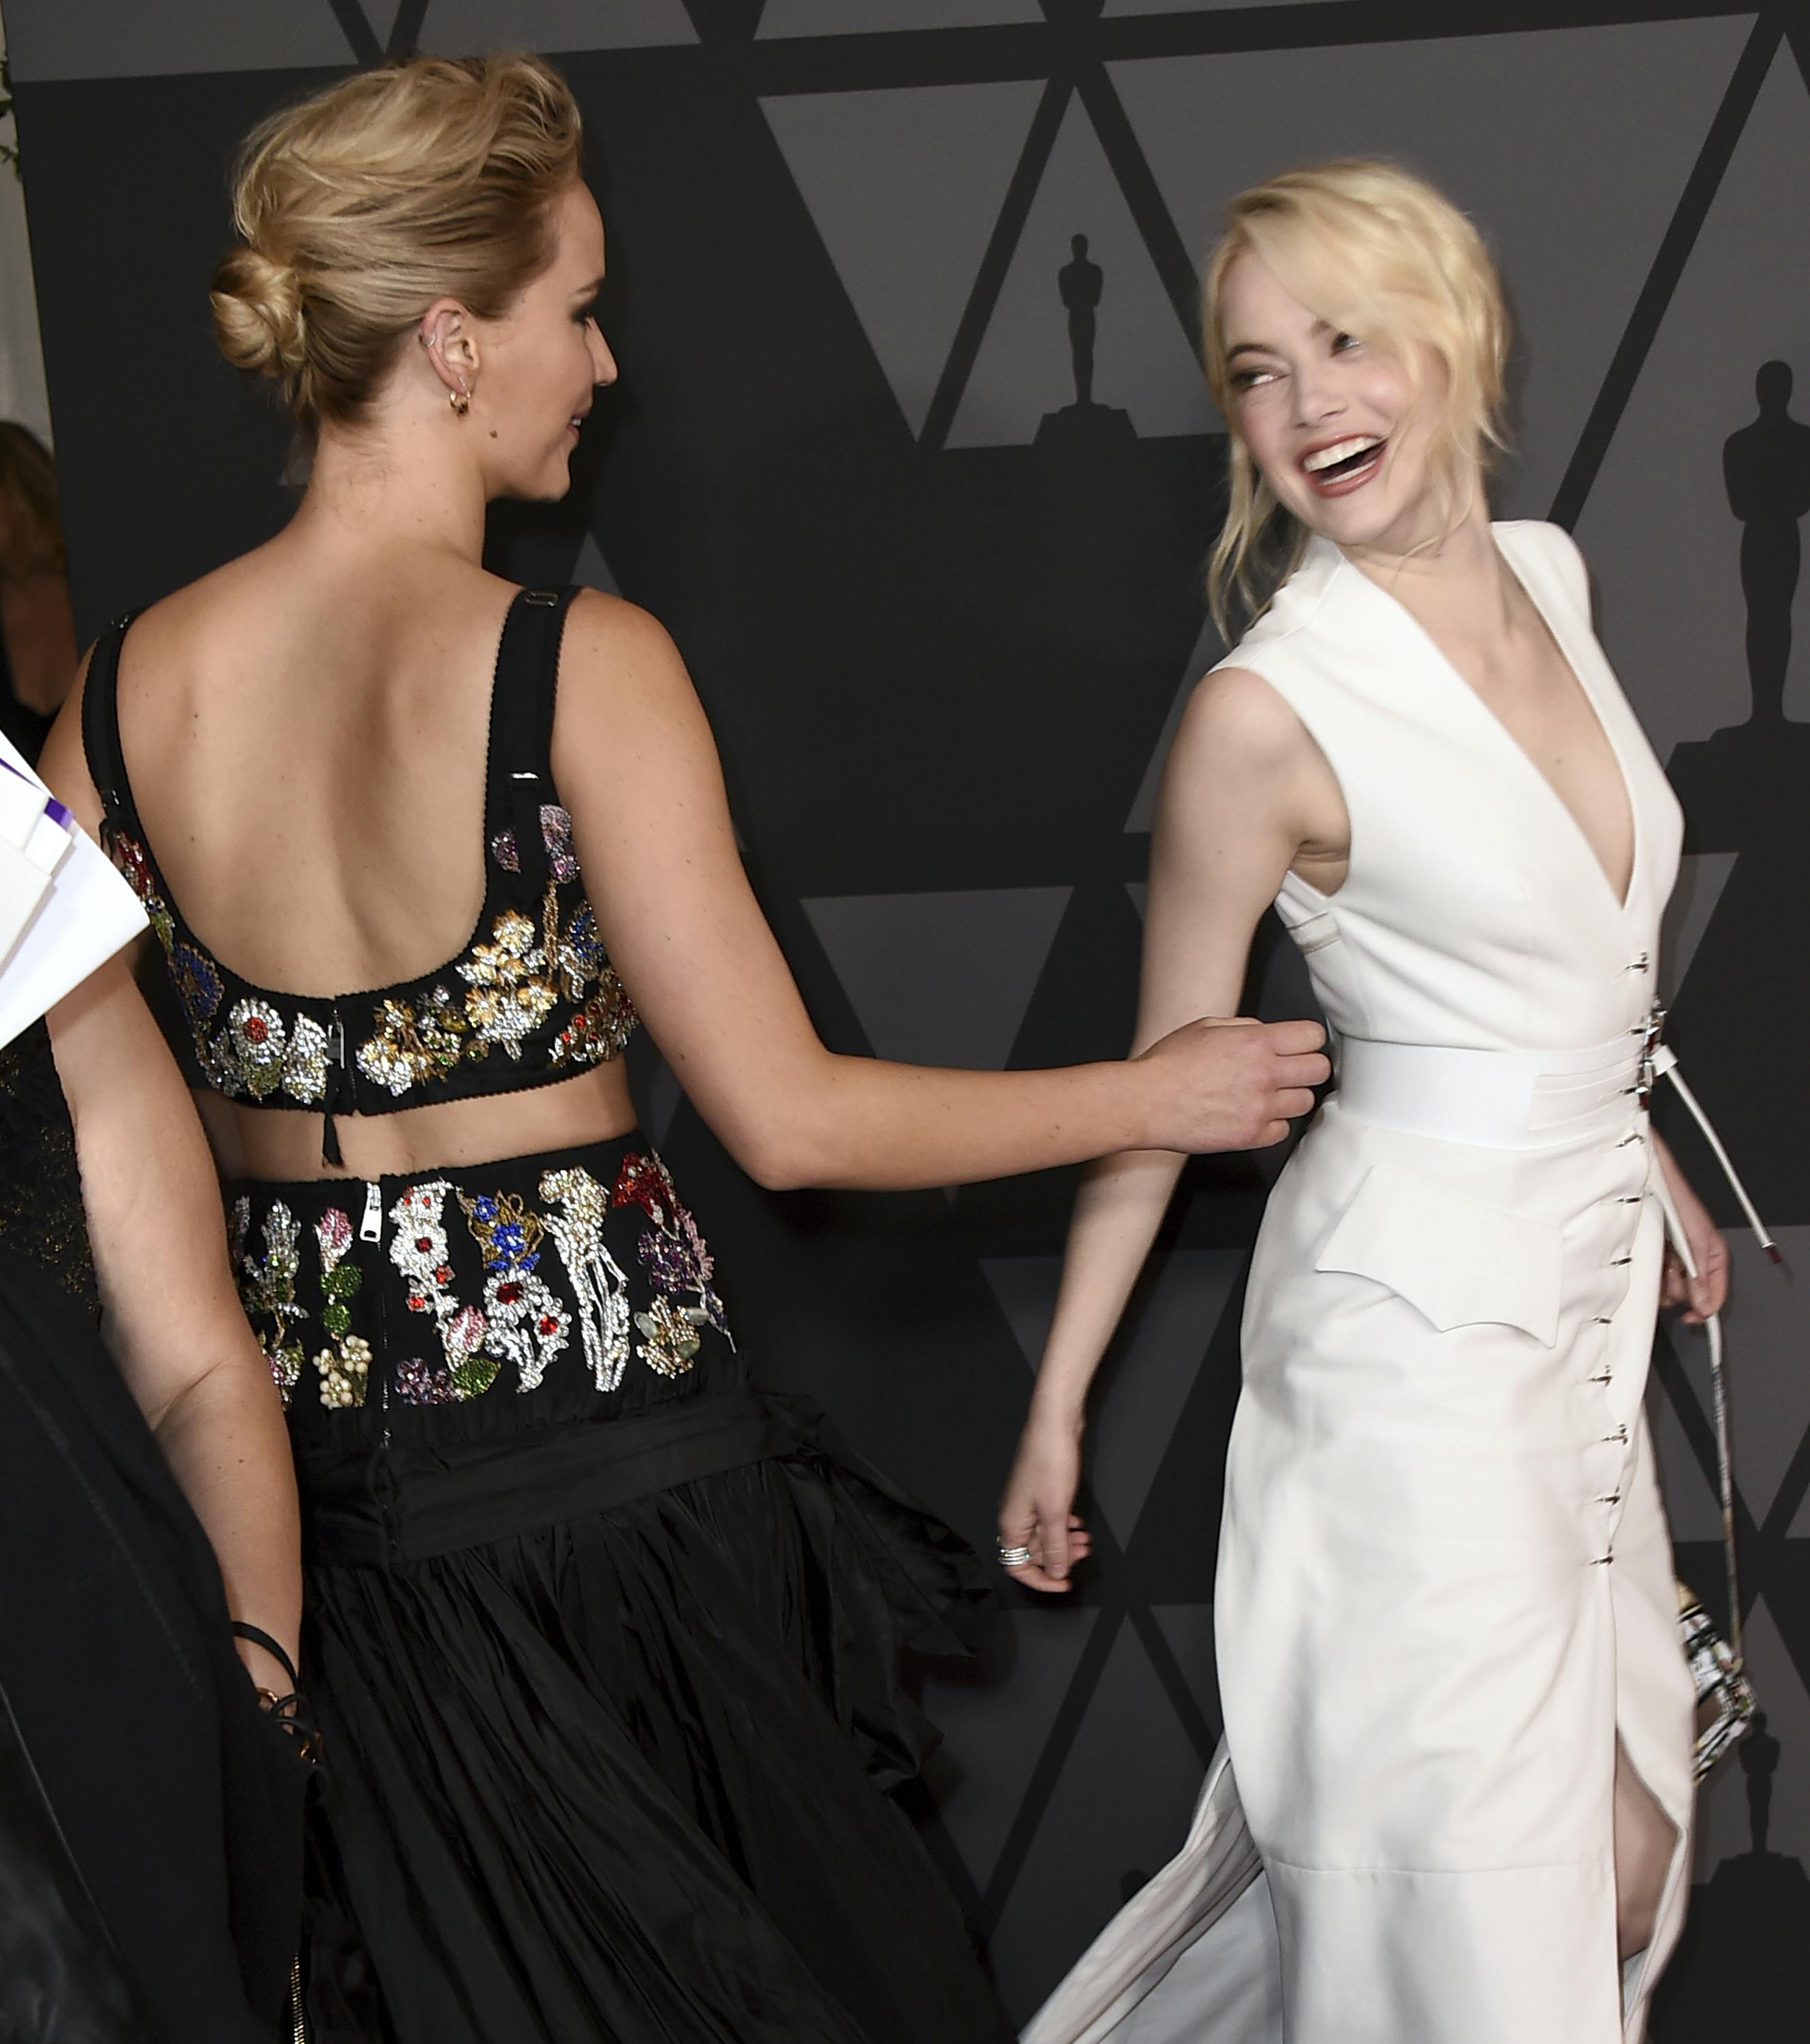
(1665,1064)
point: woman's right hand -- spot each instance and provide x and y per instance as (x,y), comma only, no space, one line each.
(1232,1085)
(1037,1509)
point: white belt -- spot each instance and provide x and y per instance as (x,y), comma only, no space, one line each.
(1505,1100)
(1524,1100)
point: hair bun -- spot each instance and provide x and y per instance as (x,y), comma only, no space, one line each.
(394,187)
(257,316)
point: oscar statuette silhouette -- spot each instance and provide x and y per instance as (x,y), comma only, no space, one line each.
(1081,284)
(1743,791)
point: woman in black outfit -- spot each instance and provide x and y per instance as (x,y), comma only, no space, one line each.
(150,1814)
(603,1641)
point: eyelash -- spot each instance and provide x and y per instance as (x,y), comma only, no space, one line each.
(1247,379)
(584,315)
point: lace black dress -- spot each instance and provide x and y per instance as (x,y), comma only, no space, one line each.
(604,1642)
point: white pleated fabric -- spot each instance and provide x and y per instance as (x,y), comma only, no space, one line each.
(1445,1582)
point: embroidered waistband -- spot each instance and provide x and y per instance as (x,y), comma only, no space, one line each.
(383,1506)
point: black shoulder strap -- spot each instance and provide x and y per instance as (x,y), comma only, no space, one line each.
(100,731)
(521,736)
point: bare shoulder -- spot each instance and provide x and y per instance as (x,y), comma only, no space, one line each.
(1235,721)
(607,637)
(226,599)
(625,700)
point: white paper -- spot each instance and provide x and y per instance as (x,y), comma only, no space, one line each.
(57,925)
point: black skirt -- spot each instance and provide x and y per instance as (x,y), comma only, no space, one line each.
(604,1643)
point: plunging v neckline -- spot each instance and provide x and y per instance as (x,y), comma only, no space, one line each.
(1622,899)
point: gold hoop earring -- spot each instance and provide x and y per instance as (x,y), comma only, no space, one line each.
(460,400)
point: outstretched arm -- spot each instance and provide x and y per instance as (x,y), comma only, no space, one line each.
(635,763)
(170,1314)
(1243,792)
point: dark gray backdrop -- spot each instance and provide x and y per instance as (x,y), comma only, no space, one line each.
(941,614)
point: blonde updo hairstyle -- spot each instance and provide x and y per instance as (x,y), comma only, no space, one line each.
(361,206)
(1377,253)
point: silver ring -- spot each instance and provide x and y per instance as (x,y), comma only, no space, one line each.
(1014,1557)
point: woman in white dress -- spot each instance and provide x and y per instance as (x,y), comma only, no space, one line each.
(1453,1802)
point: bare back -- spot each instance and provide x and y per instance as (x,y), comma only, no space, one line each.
(306,732)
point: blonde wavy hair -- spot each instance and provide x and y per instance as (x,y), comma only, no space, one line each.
(360,206)
(1375,252)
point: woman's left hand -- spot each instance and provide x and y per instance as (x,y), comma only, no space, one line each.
(1708,1292)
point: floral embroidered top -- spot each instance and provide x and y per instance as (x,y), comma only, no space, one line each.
(531,999)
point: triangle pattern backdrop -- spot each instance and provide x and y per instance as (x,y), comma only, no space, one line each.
(940,979)
(1516,128)
(904,186)
(1658,530)
(1191,6)
(91,39)
(465,28)
(857,17)
(1090,1852)
(1025,370)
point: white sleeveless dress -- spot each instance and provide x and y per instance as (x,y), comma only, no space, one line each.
(1445,1582)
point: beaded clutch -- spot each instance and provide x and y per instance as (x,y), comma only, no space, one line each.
(1724,1697)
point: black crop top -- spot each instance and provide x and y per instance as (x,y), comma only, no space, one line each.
(531,999)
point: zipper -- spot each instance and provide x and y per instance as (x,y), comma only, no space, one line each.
(383,1482)
(337,1089)
(296,2016)
(370,1227)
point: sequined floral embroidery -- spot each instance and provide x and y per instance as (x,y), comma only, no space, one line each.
(582,957)
(556,834)
(598,1282)
(511,995)
(199,988)
(675,1257)
(670,1344)
(420,1382)
(267,1287)
(645,1183)
(513,984)
(414,1043)
(525,1323)
(134,862)
(420,1251)
(344,1368)
(258,1054)
(601,1029)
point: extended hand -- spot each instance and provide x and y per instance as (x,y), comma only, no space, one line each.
(1233,1085)
(1708,1292)
(1036,1511)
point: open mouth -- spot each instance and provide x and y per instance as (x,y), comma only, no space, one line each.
(1341,466)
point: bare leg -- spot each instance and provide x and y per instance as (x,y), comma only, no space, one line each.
(1645,1840)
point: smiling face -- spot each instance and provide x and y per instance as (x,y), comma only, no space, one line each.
(1342,429)
(538,366)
